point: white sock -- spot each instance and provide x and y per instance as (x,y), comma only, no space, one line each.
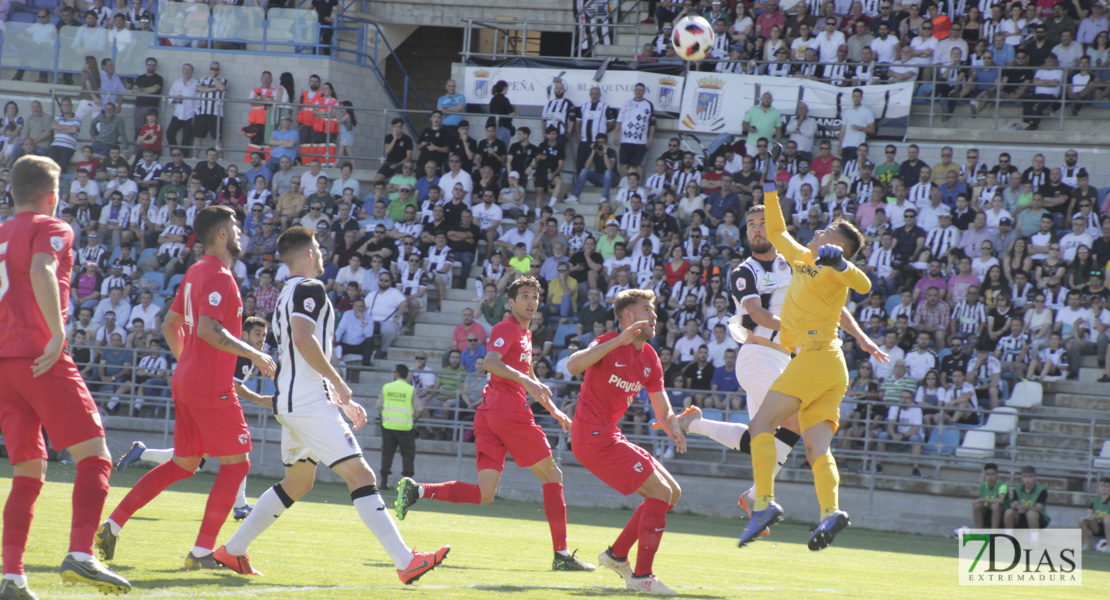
(266,511)
(420,488)
(80,556)
(20,580)
(372,511)
(201,552)
(158,455)
(726,434)
(563,552)
(241,499)
(114,527)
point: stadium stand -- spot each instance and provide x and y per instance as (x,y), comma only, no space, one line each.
(1056,423)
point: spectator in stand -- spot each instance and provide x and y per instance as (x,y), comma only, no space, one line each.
(600,169)
(398,148)
(1052,360)
(149,86)
(1027,502)
(183,95)
(1096,523)
(993,500)
(283,144)
(501,111)
(904,424)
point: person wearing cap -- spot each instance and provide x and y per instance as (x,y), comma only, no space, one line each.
(512,196)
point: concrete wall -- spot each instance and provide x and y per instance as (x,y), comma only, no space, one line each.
(419,12)
(427,55)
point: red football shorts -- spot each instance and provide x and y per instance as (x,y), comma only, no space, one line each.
(213,431)
(498,432)
(58,401)
(624,466)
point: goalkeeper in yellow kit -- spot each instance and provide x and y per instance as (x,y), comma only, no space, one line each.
(814,382)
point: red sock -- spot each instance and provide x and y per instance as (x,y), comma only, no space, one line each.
(453,491)
(147,488)
(18,512)
(555,507)
(629,535)
(220,501)
(652,523)
(90,490)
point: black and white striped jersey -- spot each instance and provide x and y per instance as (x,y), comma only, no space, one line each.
(557,113)
(767,280)
(593,118)
(211,103)
(297,384)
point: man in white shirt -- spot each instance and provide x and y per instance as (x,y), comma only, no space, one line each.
(352,272)
(454,175)
(83,183)
(1047,86)
(124,184)
(890,346)
(905,68)
(719,344)
(384,308)
(803,176)
(829,41)
(147,310)
(182,96)
(1078,237)
(921,360)
(904,422)
(802,130)
(885,46)
(521,234)
(943,51)
(1073,323)
(488,216)
(924,46)
(311,177)
(856,123)
(1068,51)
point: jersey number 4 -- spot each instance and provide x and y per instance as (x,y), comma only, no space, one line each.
(4,282)
(190,320)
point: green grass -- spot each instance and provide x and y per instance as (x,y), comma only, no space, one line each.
(320,550)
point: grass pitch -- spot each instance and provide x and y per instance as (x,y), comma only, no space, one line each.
(319,549)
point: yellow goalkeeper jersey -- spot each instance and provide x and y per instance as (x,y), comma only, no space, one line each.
(811,313)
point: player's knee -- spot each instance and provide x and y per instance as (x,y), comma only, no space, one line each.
(488,496)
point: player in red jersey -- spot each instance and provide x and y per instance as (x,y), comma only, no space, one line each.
(203,328)
(504,424)
(617,367)
(42,386)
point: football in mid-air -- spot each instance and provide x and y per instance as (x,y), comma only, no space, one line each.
(1102,546)
(692,37)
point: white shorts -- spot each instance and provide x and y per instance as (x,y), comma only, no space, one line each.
(757,368)
(317,434)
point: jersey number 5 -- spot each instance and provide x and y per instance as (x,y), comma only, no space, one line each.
(4,282)
(190,320)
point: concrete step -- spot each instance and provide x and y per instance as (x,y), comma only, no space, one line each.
(435,330)
(1078,430)
(1036,441)
(1060,412)
(1081,401)
(421,342)
(1076,387)
(1052,458)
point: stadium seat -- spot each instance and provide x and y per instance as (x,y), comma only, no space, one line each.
(561,334)
(891,303)
(147,253)
(738,416)
(712,414)
(115,255)
(156,277)
(977,444)
(942,443)
(1027,394)
(1102,193)
(22,17)
(1102,461)
(176,279)
(1003,419)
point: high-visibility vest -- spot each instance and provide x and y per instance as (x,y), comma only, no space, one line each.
(259,112)
(304,112)
(397,405)
(329,122)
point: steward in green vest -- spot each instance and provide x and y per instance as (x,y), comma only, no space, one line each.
(993,500)
(1027,503)
(398,416)
(1097,522)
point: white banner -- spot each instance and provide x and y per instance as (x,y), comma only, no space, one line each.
(716,102)
(531,87)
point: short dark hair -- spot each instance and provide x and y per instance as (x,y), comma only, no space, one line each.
(521,282)
(253,322)
(294,239)
(990,467)
(401,370)
(852,237)
(210,220)
(33,177)
(397,121)
(1029,470)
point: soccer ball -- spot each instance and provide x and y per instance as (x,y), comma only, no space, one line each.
(1102,546)
(692,37)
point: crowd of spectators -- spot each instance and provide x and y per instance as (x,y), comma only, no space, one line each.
(1043,52)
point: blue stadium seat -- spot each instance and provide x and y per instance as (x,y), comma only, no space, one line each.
(22,17)
(157,277)
(176,279)
(562,332)
(1102,193)
(268,388)
(713,414)
(738,416)
(147,253)
(949,441)
(891,303)
(115,255)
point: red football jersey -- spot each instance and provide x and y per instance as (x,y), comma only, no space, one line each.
(24,330)
(613,382)
(203,372)
(514,343)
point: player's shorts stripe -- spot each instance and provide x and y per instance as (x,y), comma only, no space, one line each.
(307,460)
(291,356)
(344,459)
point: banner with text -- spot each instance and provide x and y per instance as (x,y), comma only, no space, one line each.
(716,102)
(531,88)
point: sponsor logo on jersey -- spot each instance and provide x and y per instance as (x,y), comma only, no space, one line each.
(741,284)
(56,243)
(215,298)
(309,304)
(638,467)
(244,438)
(350,440)
(500,342)
(632,387)
(647,371)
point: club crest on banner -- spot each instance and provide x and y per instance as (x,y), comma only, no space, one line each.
(481,84)
(707,109)
(667,88)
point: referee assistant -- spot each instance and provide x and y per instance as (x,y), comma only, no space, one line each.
(398,413)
